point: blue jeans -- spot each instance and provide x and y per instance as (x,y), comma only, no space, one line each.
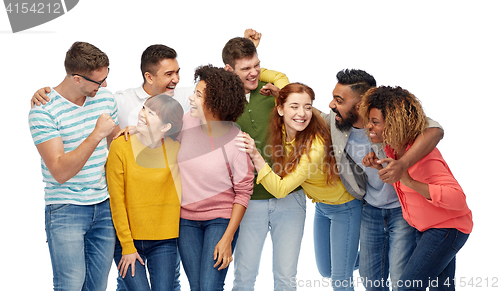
(177,285)
(432,263)
(160,257)
(336,240)
(386,243)
(81,240)
(284,218)
(197,241)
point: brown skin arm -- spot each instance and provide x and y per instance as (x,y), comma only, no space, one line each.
(422,146)
(223,252)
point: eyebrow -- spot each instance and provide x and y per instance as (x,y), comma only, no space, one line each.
(172,71)
(296,103)
(338,96)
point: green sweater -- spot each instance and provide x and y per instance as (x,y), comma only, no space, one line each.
(255,121)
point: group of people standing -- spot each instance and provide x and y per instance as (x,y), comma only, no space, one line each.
(210,171)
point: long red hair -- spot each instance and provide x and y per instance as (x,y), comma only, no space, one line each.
(284,164)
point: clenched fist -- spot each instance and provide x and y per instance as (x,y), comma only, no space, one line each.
(104,126)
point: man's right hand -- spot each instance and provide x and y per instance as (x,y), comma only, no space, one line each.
(40,97)
(253,35)
(104,126)
(270,90)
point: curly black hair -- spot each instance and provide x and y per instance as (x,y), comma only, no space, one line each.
(359,80)
(224,92)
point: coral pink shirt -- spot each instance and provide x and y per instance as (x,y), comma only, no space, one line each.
(447,207)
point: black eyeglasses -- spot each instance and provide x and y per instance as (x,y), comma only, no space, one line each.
(90,80)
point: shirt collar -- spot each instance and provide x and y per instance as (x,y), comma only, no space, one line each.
(283,132)
(141,93)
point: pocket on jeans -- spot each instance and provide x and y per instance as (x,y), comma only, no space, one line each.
(56,207)
(300,197)
(460,239)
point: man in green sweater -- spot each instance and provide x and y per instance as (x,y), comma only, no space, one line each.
(283,218)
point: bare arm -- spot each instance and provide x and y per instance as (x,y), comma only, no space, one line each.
(223,252)
(423,145)
(64,166)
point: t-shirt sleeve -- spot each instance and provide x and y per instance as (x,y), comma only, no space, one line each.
(42,124)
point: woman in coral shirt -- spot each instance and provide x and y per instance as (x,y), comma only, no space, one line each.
(432,200)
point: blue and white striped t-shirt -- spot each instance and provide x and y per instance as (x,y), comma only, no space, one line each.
(73,124)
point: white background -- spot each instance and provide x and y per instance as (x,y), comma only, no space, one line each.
(445,52)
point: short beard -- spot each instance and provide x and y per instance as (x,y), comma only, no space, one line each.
(347,123)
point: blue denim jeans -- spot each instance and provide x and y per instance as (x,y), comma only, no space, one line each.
(386,243)
(81,240)
(160,257)
(197,241)
(177,285)
(432,263)
(284,218)
(336,240)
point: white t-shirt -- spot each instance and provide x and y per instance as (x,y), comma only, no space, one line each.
(130,102)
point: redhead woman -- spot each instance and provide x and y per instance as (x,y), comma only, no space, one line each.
(431,198)
(300,147)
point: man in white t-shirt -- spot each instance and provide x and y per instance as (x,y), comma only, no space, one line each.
(160,72)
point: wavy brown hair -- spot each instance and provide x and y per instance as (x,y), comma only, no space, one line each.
(402,111)
(317,128)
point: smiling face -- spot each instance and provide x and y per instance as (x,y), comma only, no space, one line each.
(296,113)
(344,104)
(150,123)
(248,69)
(197,101)
(375,126)
(165,79)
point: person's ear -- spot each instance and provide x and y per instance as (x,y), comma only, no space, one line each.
(76,79)
(358,105)
(166,127)
(228,68)
(280,110)
(148,77)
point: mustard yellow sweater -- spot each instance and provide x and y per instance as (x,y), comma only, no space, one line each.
(144,189)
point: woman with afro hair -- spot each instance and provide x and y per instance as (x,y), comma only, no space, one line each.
(431,198)
(217,179)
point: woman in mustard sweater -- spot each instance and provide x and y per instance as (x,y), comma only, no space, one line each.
(144,187)
(300,146)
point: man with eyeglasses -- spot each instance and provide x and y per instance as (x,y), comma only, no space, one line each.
(71,132)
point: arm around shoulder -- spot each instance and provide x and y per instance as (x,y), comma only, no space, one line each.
(277,78)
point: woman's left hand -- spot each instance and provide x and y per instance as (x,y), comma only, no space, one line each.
(223,253)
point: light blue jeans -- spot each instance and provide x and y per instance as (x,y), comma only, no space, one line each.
(81,241)
(336,240)
(284,218)
(386,244)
